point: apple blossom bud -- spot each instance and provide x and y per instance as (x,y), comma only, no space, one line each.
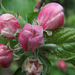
(31,37)
(51,16)
(32,66)
(8,25)
(5,56)
(61,64)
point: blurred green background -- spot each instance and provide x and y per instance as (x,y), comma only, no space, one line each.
(69,11)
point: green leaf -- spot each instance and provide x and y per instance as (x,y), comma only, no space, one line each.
(19,53)
(32,16)
(47,64)
(64,38)
(70,21)
(0,68)
(13,42)
(23,7)
(56,71)
(71,71)
(22,22)
(19,72)
(46,48)
(3,40)
(72,61)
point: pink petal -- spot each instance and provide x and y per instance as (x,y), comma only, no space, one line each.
(48,13)
(7,16)
(56,22)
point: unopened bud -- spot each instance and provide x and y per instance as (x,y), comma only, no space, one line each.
(62,64)
(5,56)
(8,25)
(51,16)
(32,66)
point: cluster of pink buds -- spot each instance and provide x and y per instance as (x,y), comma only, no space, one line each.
(8,28)
(50,18)
(31,37)
(5,56)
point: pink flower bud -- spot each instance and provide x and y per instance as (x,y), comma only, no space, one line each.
(5,56)
(8,25)
(61,64)
(30,37)
(51,16)
(32,66)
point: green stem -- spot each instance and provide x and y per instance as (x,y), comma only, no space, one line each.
(8,44)
(36,52)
